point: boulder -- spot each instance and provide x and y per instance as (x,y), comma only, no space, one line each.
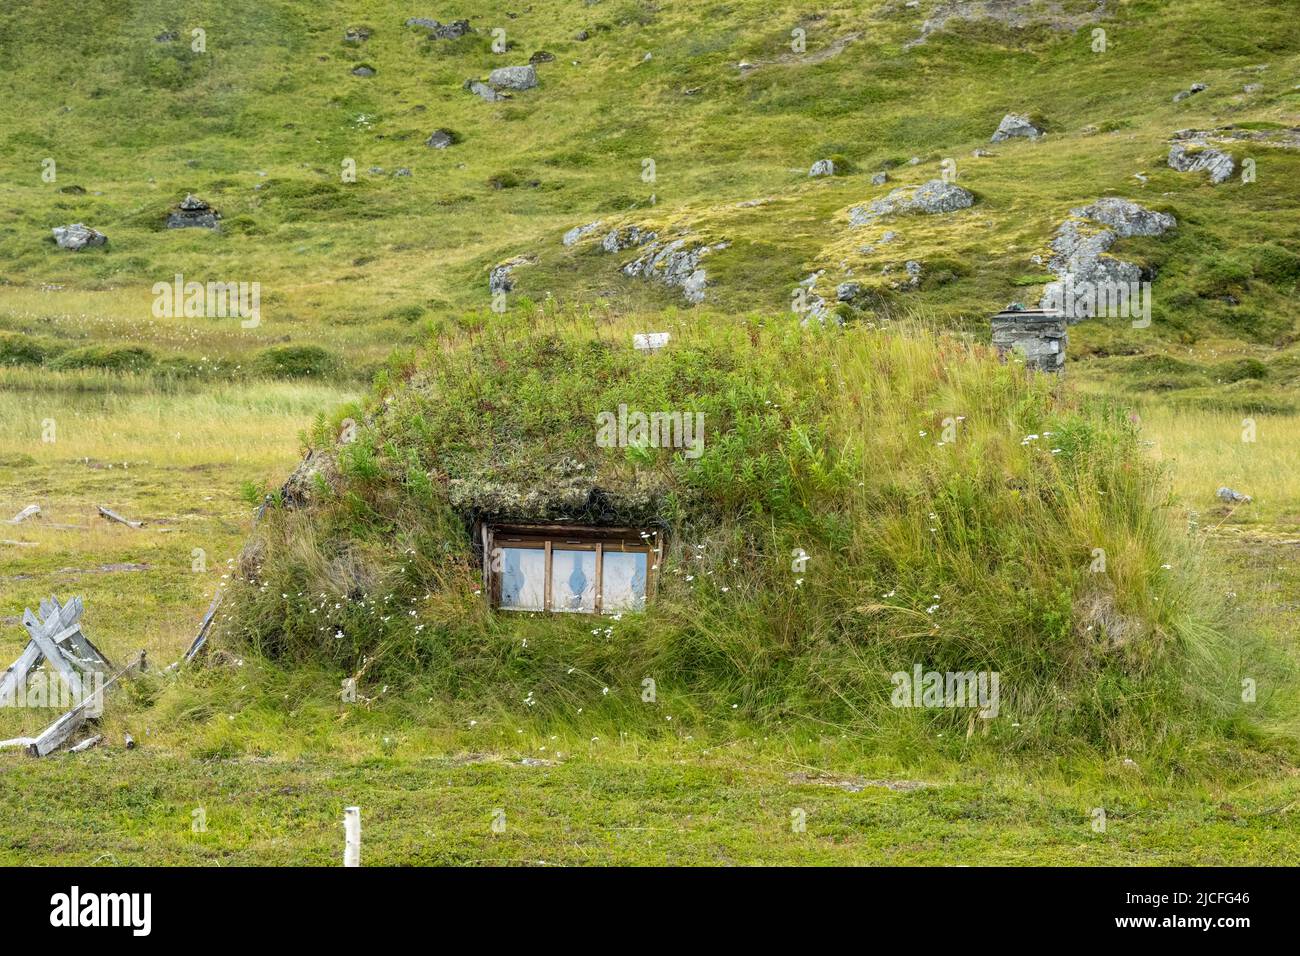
(823,167)
(1197,156)
(483,91)
(1079,248)
(675,263)
(363,70)
(879,179)
(513,77)
(441,139)
(500,278)
(1190,91)
(356,35)
(77,237)
(625,238)
(930,198)
(1125,217)
(579,232)
(440,31)
(193,213)
(1231,497)
(1015,125)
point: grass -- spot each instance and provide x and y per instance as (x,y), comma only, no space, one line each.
(181,422)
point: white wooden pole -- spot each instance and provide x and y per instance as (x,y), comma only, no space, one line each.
(352,836)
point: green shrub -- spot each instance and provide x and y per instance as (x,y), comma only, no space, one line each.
(19,349)
(114,358)
(296,361)
(1276,264)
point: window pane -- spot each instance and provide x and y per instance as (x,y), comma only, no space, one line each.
(523,579)
(573,580)
(624,586)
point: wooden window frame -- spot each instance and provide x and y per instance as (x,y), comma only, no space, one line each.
(549,538)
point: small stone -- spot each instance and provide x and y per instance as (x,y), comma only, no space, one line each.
(1015,125)
(441,139)
(582,36)
(1231,497)
(363,70)
(356,35)
(879,179)
(77,237)
(823,167)
(513,77)
(541,56)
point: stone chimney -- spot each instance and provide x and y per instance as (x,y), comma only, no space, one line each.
(1038,333)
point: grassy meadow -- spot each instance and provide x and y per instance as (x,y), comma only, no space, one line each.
(375,305)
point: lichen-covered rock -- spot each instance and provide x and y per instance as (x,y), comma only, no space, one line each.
(1015,125)
(823,167)
(440,31)
(500,278)
(441,139)
(78,236)
(1125,217)
(935,196)
(483,91)
(577,233)
(676,263)
(513,77)
(626,238)
(1079,248)
(193,213)
(1196,156)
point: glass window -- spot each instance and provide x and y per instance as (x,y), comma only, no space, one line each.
(573,580)
(523,579)
(623,581)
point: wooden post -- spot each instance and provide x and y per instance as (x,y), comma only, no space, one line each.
(351,836)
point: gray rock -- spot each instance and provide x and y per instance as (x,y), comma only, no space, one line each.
(356,35)
(402,171)
(441,139)
(879,179)
(1079,249)
(193,213)
(1015,125)
(500,278)
(1126,217)
(579,232)
(440,31)
(626,238)
(1201,158)
(1190,91)
(930,198)
(676,263)
(848,291)
(513,77)
(542,56)
(77,237)
(363,70)
(483,91)
(582,36)
(913,273)
(167,36)
(1232,497)
(1252,87)
(823,167)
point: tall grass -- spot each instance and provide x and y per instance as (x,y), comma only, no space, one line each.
(953,510)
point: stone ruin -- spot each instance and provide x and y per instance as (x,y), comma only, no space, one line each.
(1040,334)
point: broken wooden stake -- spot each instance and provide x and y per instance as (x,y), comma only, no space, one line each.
(57,734)
(86,744)
(351,836)
(114,516)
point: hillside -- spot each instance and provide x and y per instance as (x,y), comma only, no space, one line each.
(438,275)
(709,103)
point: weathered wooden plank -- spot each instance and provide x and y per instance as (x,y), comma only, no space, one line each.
(114,516)
(52,652)
(17,673)
(202,637)
(17,742)
(55,735)
(31,511)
